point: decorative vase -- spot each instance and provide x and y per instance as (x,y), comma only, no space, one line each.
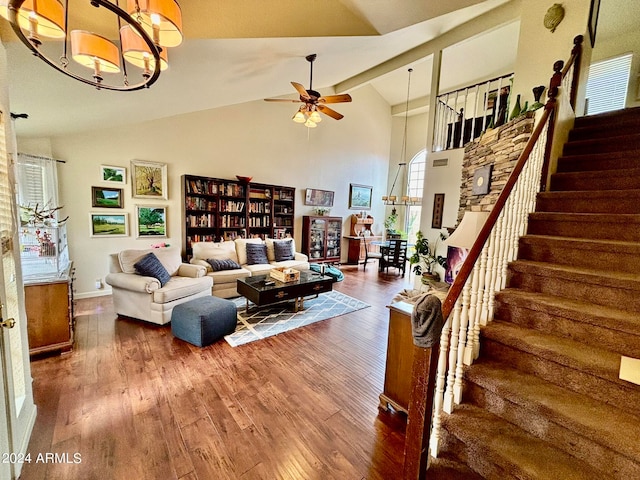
(516,109)
(537,95)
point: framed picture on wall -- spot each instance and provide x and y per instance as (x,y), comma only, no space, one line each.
(148,180)
(318,198)
(360,196)
(438,210)
(107,225)
(105,197)
(593,20)
(151,221)
(112,174)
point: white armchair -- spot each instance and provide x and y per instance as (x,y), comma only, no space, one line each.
(143,297)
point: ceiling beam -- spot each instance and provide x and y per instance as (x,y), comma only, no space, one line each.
(502,15)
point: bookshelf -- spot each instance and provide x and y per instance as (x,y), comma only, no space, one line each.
(217,209)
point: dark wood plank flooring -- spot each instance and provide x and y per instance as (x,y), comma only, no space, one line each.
(136,403)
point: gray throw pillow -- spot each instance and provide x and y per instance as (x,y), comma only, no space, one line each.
(283,250)
(150,266)
(219,265)
(256,254)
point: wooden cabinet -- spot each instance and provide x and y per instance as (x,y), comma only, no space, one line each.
(321,237)
(50,315)
(216,209)
(400,352)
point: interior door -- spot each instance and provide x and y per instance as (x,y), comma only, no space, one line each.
(18,411)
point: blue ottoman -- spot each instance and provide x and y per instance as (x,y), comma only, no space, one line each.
(203,320)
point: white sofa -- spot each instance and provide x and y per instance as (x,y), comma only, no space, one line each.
(143,297)
(224,282)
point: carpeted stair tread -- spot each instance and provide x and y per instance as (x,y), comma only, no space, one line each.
(604,424)
(583,217)
(606,119)
(584,358)
(623,280)
(628,127)
(590,201)
(613,143)
(450,469)
(519,454)
(619,179)
(613,246)
(586,225)
(584,312)
(599,161)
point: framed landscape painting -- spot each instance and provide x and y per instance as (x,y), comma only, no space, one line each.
(360,196)
(105,197)
(151,221)
(107,225)
(149,180)
(113,174)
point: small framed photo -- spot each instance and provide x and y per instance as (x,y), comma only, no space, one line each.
(360,196)
(112,174)
(105,197)
(594,11)
(107,225)
(438,210)
(318,198)
(149,180)
(151,221)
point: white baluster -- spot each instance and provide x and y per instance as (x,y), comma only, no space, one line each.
(453,356)
(487,296)
(438,399)
(462,340)
(473,310)
(482,272)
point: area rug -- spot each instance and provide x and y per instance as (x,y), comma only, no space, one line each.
(261,323)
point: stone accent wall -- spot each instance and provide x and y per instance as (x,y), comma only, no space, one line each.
(499,147)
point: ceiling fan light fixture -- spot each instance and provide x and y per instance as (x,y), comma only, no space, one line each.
(299,117)
(315,117)
(310,123)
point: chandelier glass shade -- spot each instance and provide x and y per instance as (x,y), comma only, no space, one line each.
(136,35)
(307,114)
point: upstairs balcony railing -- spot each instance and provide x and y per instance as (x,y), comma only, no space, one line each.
(462,115)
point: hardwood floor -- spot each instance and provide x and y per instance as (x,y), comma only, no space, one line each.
(136,403)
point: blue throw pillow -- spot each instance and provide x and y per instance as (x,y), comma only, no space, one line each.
(219,265)
(150,266)
(283,250)
(256,254)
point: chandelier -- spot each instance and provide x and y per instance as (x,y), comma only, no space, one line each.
(404,200)
(144,28)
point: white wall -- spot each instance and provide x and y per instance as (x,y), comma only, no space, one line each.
(256,139)
(612,47)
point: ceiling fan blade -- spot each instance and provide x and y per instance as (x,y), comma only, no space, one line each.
(301,90)
(331,113)
(345,97)
(281,100)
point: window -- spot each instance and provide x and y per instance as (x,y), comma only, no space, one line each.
(415,184)
(607,85)
(37,181)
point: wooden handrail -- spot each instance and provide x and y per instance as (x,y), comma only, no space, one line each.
(476,249)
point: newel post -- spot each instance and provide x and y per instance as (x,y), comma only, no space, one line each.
(552,93)
(426,326)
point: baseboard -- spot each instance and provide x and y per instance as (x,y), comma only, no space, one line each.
(91,294)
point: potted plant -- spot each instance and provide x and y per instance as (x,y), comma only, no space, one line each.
(390,222)
(424,258)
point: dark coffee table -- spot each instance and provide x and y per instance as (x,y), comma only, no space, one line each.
(310,283)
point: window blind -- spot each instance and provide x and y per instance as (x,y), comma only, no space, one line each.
(607,84)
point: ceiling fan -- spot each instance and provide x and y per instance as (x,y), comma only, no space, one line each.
(313,102)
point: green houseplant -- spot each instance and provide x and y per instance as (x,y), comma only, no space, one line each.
(424,258)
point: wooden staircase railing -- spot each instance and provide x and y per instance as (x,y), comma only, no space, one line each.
(469,302)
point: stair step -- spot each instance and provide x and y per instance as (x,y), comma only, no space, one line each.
(584,369)
(611,144)
(599,254)
(619,179)
(626,127)
(499,450)
(608,119)
(599,161)
(623,227)
(443,468)
(609,289)
(558,416)
(597,201)
(610,328)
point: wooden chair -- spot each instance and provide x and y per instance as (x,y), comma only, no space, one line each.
(369,255)
(395,255)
